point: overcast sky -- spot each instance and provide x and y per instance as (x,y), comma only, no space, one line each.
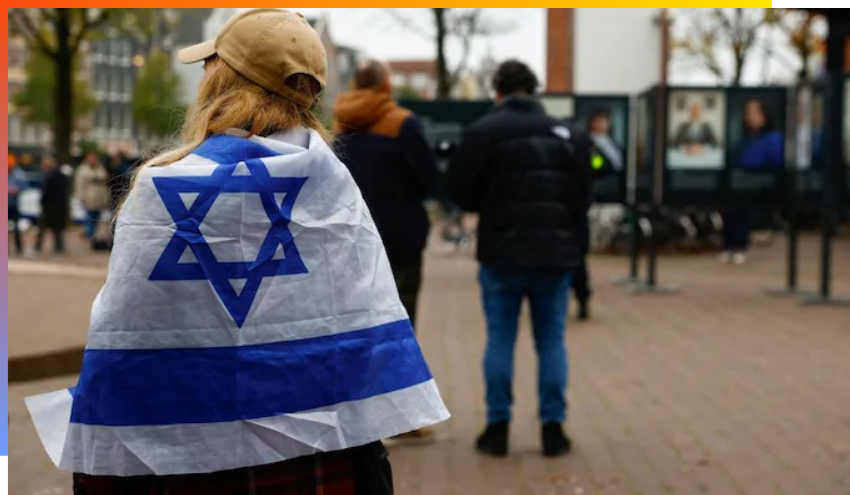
(380,33)
(518,33)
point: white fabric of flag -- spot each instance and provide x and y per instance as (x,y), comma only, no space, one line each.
(249,316)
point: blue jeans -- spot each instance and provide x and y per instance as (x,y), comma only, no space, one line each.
(92,217)
(503,291)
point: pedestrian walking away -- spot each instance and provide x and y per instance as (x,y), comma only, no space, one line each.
(385,149)
(527,176)
(250,335)
(91,188)
(55,205)
(17,184)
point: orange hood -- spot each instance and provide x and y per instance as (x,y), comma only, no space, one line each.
(362,109)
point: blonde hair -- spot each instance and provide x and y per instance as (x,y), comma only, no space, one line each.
(228,100)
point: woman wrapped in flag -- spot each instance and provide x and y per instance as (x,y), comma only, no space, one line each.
(249,338)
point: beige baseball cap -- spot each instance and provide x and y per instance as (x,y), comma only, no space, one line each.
(267,46)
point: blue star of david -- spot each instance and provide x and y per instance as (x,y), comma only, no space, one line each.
(188,234)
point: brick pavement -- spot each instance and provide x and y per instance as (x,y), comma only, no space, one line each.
(717,390)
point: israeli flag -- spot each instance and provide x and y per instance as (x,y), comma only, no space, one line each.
(249,316)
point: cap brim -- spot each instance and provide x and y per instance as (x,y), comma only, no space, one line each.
(197,53)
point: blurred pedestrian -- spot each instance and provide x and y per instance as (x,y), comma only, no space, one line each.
(277,372)
(17,184)
(55,205)
(384,147)
(581,275)
(90,186)
(119,178)
(527,176)
(761,147)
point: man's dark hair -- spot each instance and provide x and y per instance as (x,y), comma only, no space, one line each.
(372,74)
(514,77)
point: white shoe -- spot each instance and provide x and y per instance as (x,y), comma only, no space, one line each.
(726,257)
(739,258)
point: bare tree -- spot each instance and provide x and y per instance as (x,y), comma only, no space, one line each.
(450,26)
(58,34)
(804,32)
(720,41)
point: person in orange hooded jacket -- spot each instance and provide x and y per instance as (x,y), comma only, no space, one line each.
(384,147)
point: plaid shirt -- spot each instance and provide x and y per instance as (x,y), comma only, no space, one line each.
(336,473)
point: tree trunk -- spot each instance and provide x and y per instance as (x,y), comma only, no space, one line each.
(740,60)
(444,84)
(63,100)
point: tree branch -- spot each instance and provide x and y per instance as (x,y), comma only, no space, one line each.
(466,26)
(406,23)
(87,25)
(32,33)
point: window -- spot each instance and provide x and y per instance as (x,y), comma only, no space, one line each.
(14,89)
(128,122)
(107,82)
(14,129)
(107,116)
(98,80)
(117,117)
(100,119)
(344,66)
(16,55)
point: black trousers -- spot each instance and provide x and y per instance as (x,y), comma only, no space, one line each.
(408,279)
(14,222)
(581,282)
(58,237)
(736,229)
(581,278)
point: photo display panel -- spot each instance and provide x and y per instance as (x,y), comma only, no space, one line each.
(756,135)
(606,119)
(559,106)
(695,145)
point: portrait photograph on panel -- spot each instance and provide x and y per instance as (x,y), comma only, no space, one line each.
(559,106)
(696,130)
(607,124)
(756,130)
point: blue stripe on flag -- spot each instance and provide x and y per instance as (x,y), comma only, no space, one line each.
(227,149)
(220,384)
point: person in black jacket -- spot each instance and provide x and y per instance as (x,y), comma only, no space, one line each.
(384,147)
(527,175)
(55,205)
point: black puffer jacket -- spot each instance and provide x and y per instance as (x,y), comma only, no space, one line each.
(527,175)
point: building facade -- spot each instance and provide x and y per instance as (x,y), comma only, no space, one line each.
(113,64)
(603,50)
(414,78)
(22,135)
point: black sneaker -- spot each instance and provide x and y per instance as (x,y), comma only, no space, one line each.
(583,310)
(494,440)
(555,441)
